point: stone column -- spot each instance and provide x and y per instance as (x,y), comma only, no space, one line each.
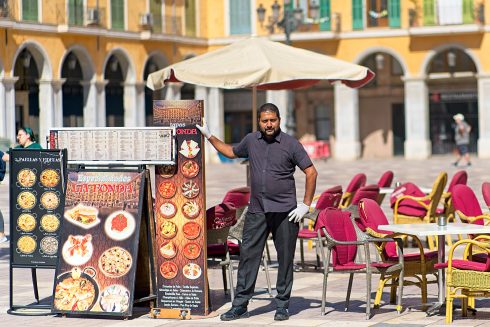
(173,91)
(484,115)
(280,99)
(140,104)
(214,114)
(58,102)
(46,109)
(417,140)
(90,105)
(9,107)
(346,103)
(101,110)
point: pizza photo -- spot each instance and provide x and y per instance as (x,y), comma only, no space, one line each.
(192,250)
(191,209)
(167,189)
(168,229)
(168,250)
(189,149)
(168,210)
(190,189)
(26,177)
(26,200)
(189,169)
(115,262)
(191,230)
(168,269)
(49,178)
(50,200)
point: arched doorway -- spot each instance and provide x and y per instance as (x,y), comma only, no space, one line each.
(453,89)
(73,97)
(114,92)
(381,107)
(27,91)
(154,63)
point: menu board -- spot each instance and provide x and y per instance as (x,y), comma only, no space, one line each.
(99,243)
(37,179)
(180,213)
(115,144)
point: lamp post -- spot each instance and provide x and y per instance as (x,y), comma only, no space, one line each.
(291,20)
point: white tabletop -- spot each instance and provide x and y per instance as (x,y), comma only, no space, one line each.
(389,190)
(434,229)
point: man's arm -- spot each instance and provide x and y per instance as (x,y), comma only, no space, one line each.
(310,184)
(222,147)
(4,156)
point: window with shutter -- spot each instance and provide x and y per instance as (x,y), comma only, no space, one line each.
(75,12)
(117,14)
(190,17)
(429,12)
(325,13)
(156,12)
(468,13)
(240,17)
(30,10)
(394,13)
(357,21)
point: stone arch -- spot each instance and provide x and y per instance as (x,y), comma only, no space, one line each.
(372,50)
(127,64)
(39,55)
(434,52)
(86,62)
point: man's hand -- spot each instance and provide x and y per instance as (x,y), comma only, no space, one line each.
(297,214)
(204,130)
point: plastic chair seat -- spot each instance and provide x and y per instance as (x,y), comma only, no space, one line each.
(306,233)
(429,255)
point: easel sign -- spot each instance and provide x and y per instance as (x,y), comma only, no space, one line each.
(180,211)
(99,242)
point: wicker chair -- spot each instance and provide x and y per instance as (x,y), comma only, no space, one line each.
(467,207)
(460,178)
(384,181)
(336,227)
(416,209)
(365,192)
(417,265)
(467,279)
(355,183)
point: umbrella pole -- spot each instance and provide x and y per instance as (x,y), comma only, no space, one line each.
(254,108)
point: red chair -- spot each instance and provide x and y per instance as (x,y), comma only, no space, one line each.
(238,198)
(328,199)
(365,192)
(355,183)
(467,207)
(337,228)
(384,181)
(485,188)
(460,178)
(417,265)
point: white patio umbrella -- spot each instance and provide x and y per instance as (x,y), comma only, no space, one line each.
(259,63)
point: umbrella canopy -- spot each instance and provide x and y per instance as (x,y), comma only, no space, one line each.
(262,64)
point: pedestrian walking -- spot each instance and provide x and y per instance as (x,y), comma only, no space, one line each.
(462,139)
(273,157)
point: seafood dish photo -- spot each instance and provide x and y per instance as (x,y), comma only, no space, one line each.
(192,250)
(168,270)
(168,210)
(168,250)
(191,230)
(167,189)
(190,189)
(189,149)
(191,209)
(26,200)
(50,223)
(49,245)
(49,178)
(82,216)
(78,249)
(26,177)
(50,200)
(26,222)
(189,169)
(168,229)
(75,291)
(115,262)
(26,244)
(114,298)
(191,271)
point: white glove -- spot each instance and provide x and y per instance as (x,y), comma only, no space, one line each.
(204,130)
(297,214)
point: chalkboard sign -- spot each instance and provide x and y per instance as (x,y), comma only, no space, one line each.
(37,191)
(99,242)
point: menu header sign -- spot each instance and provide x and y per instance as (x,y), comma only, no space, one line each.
(108,145)
(99,243)
(37,179)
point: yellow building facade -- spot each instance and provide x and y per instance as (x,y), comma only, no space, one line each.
(85,63)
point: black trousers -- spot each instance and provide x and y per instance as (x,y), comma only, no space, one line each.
(255,232)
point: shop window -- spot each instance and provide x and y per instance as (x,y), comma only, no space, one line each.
(240,17)
(429,12)
(377,13)
(30,10)
(75,12)
(117,14)
(190,17)
(156,13)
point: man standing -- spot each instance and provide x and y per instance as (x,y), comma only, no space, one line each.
(462,138)
(273,157)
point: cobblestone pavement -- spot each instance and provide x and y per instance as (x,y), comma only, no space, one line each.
(306,300)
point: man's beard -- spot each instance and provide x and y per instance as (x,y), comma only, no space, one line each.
(269,138)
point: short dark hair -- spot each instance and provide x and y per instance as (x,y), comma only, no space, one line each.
(29,132)
(268,107)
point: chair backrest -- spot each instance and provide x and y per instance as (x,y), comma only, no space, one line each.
(372,216)
(220,216)
(329,198)
(238,197)
(217,236)
(366,192)
(465,201)
(406,189)
(356,182)
(337,226)
(436,193)
(485,189)
(386,179)
(461,177)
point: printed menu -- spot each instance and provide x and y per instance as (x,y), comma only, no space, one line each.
(180,212)
(37,179)
(115,144)
(99,243)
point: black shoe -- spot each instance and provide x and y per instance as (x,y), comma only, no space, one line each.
(469,164)
(235,313)
(455,164)
(281,314)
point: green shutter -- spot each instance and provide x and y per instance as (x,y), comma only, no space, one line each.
(468,12)
(75,12)
(325,13)
(156,12)
(240,13)
(357,14)
(190,17)
(30,10)
(394,13)
(429,14)
(117,14)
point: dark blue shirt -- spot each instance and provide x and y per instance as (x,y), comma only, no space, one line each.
(272,167)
